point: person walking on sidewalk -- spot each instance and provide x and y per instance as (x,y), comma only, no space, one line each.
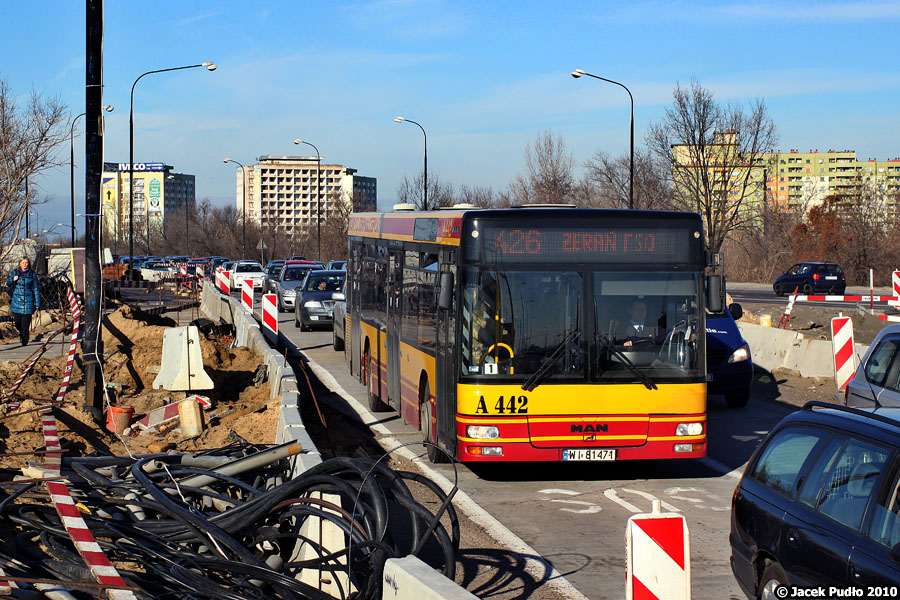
(25,297)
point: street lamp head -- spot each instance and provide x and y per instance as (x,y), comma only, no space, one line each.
(299,141)
(210,66)
(226,160)
(399,119)
(578,73)
(109,108)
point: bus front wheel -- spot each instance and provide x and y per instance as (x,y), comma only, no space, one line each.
(435,454)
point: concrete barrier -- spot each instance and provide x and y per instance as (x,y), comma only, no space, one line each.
(225,309)
(772,348)
(408,578)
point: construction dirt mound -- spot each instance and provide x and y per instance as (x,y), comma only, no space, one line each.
(132,347)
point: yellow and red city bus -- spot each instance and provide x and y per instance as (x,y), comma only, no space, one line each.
(503,334)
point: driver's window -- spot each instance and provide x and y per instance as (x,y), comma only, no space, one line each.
(793,270)
(885,525)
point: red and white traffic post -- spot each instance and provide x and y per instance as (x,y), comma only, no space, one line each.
(247,294)
(843,351)
(270,316)
(658,556)
(224,284)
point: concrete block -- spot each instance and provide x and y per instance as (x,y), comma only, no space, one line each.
(409,578)
(181,350)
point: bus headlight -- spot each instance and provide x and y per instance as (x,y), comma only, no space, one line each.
(485,450)
(482,432)
(689,429)
(312,304)
(741,354)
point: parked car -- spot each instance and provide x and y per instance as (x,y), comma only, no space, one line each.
(273,271)
(728,365)
(156,270)
(339,318)
(246,269)
(877,378)
(337,265)
(811,278)
(818,503)
(291,278)
(315,298)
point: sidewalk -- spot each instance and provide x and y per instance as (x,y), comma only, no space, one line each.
(15,352)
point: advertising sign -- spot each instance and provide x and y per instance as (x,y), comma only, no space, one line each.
(143,167)
(155,188)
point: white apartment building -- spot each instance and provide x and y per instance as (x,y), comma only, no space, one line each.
(292,192)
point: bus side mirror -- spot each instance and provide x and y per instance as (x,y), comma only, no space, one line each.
(736,310)
(715,292)
(445,300)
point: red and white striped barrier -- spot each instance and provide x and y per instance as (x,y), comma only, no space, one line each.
(804,298)
(270,316)
(658,559)
(168,413)
(782,323)
(843,351)
(247,294)
(101,568)
(30,365)
(182,270)
(224,285)
(891,318)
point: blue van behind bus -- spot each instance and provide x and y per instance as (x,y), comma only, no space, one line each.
(728,364)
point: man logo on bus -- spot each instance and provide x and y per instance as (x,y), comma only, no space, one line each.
(591,428)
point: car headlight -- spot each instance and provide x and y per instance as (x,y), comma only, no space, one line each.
(289,292)
(741,354)
(312,304)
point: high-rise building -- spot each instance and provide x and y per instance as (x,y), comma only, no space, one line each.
(291,192)
(805,179)
(159,193)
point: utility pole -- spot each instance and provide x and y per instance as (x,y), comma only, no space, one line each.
(93,169)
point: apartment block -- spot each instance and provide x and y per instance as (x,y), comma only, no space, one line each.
(805,179)
(293,192)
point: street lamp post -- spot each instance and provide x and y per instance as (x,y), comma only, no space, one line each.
(107,108)
(578,73)
(425,172)
(318,198)
(244,209)
(210,66)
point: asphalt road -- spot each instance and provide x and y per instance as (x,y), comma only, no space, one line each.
(575,516)
(761,293)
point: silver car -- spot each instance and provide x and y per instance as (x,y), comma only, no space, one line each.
(291,278)
(877,378)
(338,333)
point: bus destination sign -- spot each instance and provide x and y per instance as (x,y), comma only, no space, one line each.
(550,244)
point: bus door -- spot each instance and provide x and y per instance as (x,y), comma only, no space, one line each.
(394,291)
(445,388)
(354,306)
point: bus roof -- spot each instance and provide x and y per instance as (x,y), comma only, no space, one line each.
(445,226)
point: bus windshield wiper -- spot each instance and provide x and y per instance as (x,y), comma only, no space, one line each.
(626,361)
(533,381)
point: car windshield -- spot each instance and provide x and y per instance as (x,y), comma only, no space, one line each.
(518,323)
(316,282)
(248,268)
(294,273)
(275,271)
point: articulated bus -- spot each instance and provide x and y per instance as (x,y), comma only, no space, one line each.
(535,333)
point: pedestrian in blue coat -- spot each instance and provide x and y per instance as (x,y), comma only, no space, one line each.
(25,297)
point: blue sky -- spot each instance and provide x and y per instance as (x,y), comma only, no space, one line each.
(483,78)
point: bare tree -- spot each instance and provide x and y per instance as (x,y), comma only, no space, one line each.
(549,176)
(478,196)
(439,193)
(610,176)
(715,159)
(29,136)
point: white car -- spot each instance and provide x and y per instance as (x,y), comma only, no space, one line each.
(247,270)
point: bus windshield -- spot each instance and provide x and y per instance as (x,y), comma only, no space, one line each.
(581,325)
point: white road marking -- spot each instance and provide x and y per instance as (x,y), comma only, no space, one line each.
(557,491)
(591,507)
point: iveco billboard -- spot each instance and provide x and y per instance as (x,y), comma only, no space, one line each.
(143,167)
